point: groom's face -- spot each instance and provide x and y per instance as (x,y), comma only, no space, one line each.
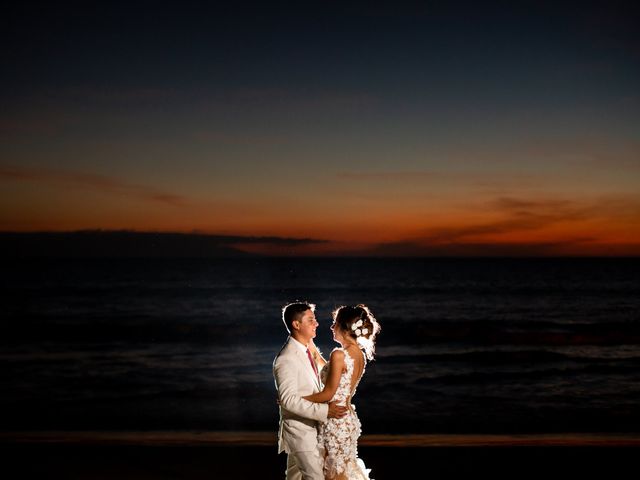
(307,324)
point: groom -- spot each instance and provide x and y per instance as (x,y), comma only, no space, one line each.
(296,375)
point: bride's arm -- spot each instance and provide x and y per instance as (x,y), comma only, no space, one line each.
(333,379)
(317,356)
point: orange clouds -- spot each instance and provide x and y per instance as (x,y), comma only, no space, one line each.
(357,214)
(515,226)
(55,199)
(87,180)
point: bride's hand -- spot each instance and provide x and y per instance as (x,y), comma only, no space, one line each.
(314,350)
(315,353)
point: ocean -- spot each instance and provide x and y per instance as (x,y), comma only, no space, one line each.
(491,345)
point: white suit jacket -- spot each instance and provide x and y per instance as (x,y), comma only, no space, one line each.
(294,379)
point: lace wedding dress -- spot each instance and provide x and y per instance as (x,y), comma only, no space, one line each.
(338,437)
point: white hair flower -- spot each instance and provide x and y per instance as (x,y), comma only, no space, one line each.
(356,325)
(365,331)
(358,332)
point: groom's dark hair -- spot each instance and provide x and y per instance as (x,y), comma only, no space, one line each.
(293,311)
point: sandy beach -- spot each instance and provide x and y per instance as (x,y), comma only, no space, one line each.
(239,455)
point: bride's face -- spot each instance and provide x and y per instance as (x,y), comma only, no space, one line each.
(338,335)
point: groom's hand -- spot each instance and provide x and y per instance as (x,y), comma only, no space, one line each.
(336,411)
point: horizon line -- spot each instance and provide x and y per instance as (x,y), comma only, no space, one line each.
(160,438)
(97,243)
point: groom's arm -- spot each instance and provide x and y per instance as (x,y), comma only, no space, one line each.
(286,383)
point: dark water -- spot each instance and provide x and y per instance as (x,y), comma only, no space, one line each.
(473,345)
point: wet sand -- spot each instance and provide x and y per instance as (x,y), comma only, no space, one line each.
(252,455)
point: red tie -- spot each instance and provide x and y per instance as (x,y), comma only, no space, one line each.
(313,364)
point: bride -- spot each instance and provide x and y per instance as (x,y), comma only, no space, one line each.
(355,329)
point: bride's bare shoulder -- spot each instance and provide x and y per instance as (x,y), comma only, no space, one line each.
(337,354)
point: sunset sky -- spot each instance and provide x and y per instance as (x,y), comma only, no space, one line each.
(455,128)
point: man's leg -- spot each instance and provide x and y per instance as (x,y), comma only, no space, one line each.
(304,466)
(293,472)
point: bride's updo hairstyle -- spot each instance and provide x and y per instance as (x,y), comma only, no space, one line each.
(359,323)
